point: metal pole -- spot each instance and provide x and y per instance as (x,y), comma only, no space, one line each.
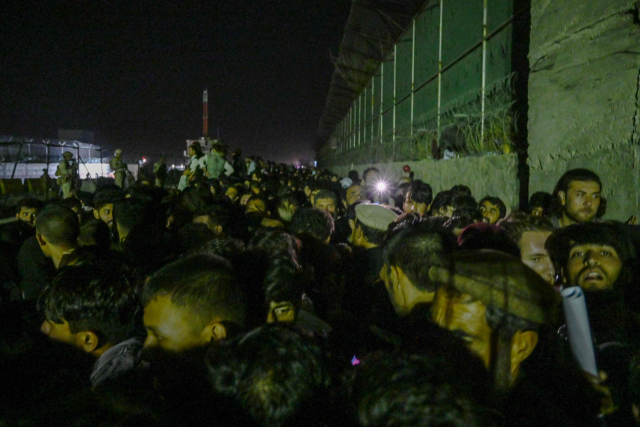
(440,71)
(101,171)
(15,165)
(484,67)
(46,183)
(381,98)
(413,67)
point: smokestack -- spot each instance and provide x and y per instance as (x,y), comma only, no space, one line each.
(205,114)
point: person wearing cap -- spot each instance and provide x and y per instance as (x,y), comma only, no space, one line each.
(119,168)
(67,173)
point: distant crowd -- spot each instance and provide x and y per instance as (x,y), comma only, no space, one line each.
(263,294)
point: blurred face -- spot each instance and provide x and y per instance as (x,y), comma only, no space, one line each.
(372,178)
(535,256)
(411,206)
(593,266)
(171,327)
(232,193)
(537,211)
(465,317)
(105,214)
(244,198)
(58,331)
(446,211)
(355,194)
(256,206)
(326,205)
(27,215)
(191,152)
(490,212)
(581,201)
(281,312)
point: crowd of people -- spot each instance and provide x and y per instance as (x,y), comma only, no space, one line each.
(263,294)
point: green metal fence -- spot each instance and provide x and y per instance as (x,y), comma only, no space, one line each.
(445,85)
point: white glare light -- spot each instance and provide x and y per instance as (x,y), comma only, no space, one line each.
(381,186)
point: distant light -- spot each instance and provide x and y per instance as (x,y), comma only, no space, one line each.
(381,186)
(173,166)
(355,361)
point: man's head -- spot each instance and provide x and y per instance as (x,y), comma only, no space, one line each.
(496,305)
(128,213)
(492,209)
(313,222)
(327,201)
(442,204)
(67,155)
(407,256)
(287,207)
(274,373)
(577,198)
(257,204)
(27,209)
(418,198)
(539,203)
(118,152)
(283,288)
(103,202)
(216,217)
(91,307)
(371,176)
(530,233)
(594,256)
(355,193)
(57,227)
(232,193)
(369,227)
(187,302)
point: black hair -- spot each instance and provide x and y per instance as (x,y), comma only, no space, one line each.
(127,213)
(95,233)
(496,202)
(463,201)
(99,298)
(275,243)
(326,194)
(563,184)
(106,196)
(226,247)
(420,192)
(204,285)
(353,176)
(197,148)
(313,222)
(30,203)
(540,199)
(415,248)
(442,199)
(482,235)
(276,373)
(71,202)
(461,190)
(283,281)
(373,235)
(518,223)
(191,238)
(366,172)
(59,225)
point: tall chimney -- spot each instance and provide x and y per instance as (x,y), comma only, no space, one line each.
(205,114)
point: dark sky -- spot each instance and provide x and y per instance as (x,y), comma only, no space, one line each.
(136,72)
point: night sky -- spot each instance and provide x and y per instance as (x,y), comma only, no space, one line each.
(135,72)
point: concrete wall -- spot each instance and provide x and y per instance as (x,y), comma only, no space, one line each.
(583,96)
(486,175)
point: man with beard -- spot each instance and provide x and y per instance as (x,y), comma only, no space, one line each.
(602,260)
(577,198)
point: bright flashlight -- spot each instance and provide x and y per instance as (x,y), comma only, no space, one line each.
(381,186)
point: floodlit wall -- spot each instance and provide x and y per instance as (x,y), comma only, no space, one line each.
(446,84)
(583,96)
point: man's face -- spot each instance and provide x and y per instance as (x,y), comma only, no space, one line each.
(593,266)
(232,193)
(256,206)
(281,312)
(27,215)
(490,212)
(171,327)
(105,214)
(465,317)
(355,194)
(535,256)
(581,201)
(58,331)
(411,205)
(326,205)
(537,211)
(244,198)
